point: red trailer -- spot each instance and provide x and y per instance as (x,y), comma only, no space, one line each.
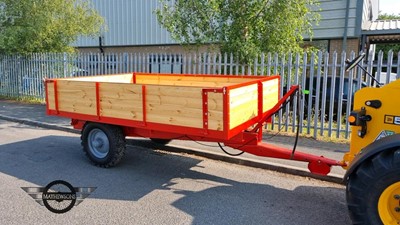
(225,109)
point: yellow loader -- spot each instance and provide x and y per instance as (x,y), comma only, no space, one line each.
(373,171)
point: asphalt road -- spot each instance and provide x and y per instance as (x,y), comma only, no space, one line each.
(153,186)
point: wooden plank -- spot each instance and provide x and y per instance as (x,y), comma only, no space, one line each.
(51,100)
(173,110)
(178,121)
(241,96)
(112,88)
(77,97)
(121,101)
(115,91)
(253,103)
(242,90)
(232,80)
(249,109)
(270,94)
(175,100)
(78,108)
(215,125)
(195,81)
(271,84)
(242,114)
(178,81)
(74,86)
(122,113)
(87,101)
(215,115)
(117,78)
(75,94)
(269,101)
(182,106)
(189,92)
(215,101)
(243,103)
(188,83)
(74,89)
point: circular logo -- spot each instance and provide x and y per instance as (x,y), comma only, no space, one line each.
(59,196)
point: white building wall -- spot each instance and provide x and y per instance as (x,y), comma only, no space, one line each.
(128,22)
(370,12)
(333,19)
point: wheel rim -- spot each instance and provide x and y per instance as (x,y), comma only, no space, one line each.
(99,145)
(389,204)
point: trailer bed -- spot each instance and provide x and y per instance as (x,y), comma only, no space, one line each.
(201,105)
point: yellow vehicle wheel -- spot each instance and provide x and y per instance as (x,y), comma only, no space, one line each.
(373,190)
(389,204)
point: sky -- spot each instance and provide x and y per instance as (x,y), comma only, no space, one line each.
(389,6)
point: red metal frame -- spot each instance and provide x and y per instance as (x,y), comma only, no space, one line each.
(226,108)
(205,92)
(56,97)
(260,103)
(204,95)
(46,82)
(237,137)
(144,104)
(98,100)
(134,78)
(316,164)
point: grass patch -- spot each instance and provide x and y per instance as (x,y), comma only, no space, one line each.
(23,99)
(308,129)
(292,132)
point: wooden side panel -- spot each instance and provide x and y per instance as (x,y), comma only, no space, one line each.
(270,93)
(243,104)
(77,96)
(215,111)
(122,101)
(180,106)
(195,81)
(188,83)
(51,100)
(117,78)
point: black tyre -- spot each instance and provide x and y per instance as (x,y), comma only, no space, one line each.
(373,191)
(103,144)
(160,141)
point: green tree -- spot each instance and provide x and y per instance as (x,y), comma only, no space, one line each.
(45,25)
(245,27)
(386,16)
(386,47)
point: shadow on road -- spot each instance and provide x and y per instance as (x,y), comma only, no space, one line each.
(212,199)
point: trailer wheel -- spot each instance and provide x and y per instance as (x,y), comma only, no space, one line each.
(103,144)
(160,141)
(373,191)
